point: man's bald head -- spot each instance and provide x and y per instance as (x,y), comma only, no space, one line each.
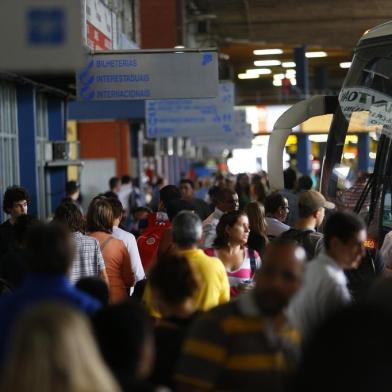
(280,276)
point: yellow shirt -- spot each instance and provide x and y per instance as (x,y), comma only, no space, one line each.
(215,289)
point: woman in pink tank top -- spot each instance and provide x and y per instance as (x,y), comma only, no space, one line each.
(229,246)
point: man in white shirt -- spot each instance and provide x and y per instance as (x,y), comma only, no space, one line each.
(129,195)
(128,239)
(276,210)
(325,290)
(226,201)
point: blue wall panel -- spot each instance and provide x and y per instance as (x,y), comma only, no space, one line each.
(27,143)
(104,110)
(56,122)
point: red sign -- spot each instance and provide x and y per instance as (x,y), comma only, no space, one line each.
(96,39)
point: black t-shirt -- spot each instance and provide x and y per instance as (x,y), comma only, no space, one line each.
(7,237)
(201,208)
(169,336)
(13,267)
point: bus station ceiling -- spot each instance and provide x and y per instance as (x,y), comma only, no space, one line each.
(325,23)
(238,27)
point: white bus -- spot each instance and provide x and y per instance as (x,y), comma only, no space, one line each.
(365,101)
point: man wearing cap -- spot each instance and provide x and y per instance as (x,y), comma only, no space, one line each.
(311,209)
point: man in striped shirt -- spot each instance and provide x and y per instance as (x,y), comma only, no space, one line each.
(248,344)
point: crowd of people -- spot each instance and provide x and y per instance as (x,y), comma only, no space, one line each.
(228,287)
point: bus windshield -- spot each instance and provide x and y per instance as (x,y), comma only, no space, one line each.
(365,105)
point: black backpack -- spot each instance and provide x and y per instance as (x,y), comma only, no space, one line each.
(308,239)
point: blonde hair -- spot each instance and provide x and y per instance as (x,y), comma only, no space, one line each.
(53,350)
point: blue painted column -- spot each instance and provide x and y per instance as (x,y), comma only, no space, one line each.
(27,143)
(57,129)
(321,78)
(303,154)
(363,152)
(301,65)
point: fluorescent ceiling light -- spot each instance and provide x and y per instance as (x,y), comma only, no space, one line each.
(346,64)
(288,64)
(290,73)
(248,76)
(277,82)
(259,71)
(266,63)
(279,76)
(293,81)
(312,55)
(264,52)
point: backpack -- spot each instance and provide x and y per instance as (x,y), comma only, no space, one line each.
(150,238)
(252,259)
(308,239)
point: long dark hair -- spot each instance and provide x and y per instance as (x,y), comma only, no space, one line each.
(258,188)
(242,189)
(228,219)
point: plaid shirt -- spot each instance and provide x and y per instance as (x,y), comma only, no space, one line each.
(88,260)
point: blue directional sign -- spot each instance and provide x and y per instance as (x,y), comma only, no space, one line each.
(141,75)
(192,117)
(240,138)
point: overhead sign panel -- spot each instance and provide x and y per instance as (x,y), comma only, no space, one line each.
(192,117)
(41,36)
(241,137)
(149,75)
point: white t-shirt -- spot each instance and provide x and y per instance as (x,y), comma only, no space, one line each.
(131,245)
(324,291)
(275,227)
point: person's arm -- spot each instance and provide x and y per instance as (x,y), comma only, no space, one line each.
(166,244)
(104,276)
(209,234)
(101,263)
(136,262)
(127,274)
(225,285)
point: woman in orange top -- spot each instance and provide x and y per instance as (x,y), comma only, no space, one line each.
(118,264)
